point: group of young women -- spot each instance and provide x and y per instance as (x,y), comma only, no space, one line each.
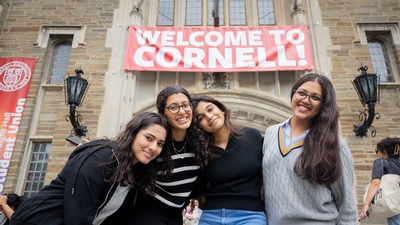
(300,172)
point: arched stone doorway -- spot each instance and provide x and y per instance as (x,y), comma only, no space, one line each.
(247,109)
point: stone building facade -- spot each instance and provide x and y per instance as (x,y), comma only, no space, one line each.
(96,32)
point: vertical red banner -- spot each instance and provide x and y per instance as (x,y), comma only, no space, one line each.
(15,79)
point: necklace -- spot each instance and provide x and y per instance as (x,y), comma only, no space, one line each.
(178,151)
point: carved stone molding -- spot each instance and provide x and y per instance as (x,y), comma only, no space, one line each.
(217,81)
(234,113)
(296,5)
(266,120)
(250,116)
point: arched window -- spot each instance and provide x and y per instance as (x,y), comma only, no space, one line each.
(59,64)
(382,41)
(380,60)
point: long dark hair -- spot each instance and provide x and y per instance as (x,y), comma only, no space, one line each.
(138,174)
(320,158)
(196,141)
(234,130)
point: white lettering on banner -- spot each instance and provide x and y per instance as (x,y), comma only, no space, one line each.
(279,48)
(139,56)
(277,37)
(14,127)
(14,120)
(262,55)
(232,40)
(225,60)
(298,33)
(167,38)
(301,53)
(196,56)
(180,41)
(255,38)
(171,53)
(282,61)
(244,58)
(3,175)
(147,35)
(193,36)
(212,38)
(209,40)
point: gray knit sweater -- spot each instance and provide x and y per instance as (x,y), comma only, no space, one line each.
(292,200)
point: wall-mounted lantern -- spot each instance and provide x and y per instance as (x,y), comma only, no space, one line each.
(366,86)
(75,93)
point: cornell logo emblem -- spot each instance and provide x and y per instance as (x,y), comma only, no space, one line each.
(14,75)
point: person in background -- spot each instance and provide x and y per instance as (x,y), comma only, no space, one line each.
(97,177)
(197,205)
(192,213)
(185,145)
(307,167)
(8,204)
(388,162)
(184,216)
(233,178)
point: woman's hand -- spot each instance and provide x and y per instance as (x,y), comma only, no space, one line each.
(3,200)
(189,217)
(364,212)
(84,141)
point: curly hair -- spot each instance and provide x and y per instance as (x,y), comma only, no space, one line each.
(320,158)
(143,175)
(195,137)
(389,144)
(234,130)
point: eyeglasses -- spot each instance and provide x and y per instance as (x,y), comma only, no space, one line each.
(301,95)
(174,108)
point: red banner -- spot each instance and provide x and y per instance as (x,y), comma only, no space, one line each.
(218,49)
(15,78)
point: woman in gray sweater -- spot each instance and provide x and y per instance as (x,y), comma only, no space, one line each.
(307,167)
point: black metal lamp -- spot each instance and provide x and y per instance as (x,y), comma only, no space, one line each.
(76,91)
(366,86)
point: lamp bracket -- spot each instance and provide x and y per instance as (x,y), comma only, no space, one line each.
(368,117)
(75,118)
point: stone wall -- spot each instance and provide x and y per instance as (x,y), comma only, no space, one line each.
(347,56)
(17,39)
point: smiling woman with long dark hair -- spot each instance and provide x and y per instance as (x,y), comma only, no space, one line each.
(185,155)
(232,180)
(307,167)
(98,176)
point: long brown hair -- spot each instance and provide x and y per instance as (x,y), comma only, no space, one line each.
(194,135)
(234,130)
(139,174)
(320,158)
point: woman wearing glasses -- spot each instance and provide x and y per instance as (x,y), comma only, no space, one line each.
(307,167)
(185,145)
